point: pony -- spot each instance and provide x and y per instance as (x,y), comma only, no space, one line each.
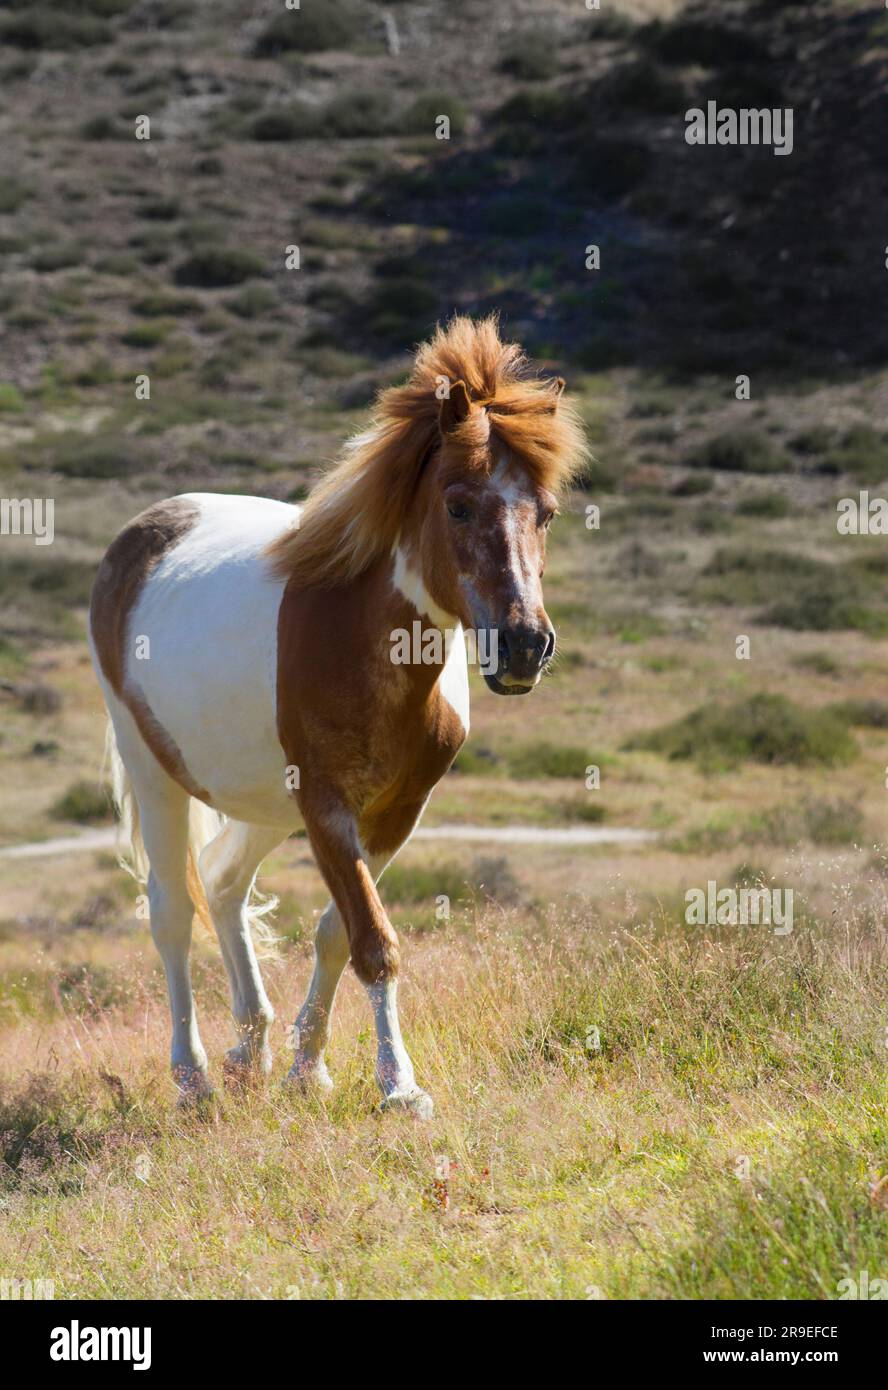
(244,650)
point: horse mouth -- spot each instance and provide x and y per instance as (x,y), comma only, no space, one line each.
(499,689)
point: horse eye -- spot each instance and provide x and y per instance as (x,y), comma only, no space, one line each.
(458,511)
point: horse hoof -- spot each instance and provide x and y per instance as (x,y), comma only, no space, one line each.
(194,1086)
(417,1102)
(244,1068)
(311,1078)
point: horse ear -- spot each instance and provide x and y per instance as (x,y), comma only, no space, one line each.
(454,407)
(558,384)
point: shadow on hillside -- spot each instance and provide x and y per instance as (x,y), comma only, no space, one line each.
(712,257)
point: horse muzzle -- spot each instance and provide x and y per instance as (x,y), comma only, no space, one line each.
(523,654)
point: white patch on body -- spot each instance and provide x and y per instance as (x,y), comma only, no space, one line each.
(410,584)
(210,610)
(453,681)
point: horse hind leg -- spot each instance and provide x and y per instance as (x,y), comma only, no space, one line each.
(312,1030)
(227,867)
(163,829)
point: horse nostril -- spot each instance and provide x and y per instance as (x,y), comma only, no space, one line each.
(524,650)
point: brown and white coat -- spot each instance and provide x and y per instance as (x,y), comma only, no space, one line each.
(244,647)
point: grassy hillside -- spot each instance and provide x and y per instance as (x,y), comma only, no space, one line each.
(571,1169)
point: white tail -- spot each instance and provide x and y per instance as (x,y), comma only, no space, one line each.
(204,825)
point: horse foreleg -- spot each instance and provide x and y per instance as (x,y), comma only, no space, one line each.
(372,944)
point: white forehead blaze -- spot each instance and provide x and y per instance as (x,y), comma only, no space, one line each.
(508,484)
(515,492)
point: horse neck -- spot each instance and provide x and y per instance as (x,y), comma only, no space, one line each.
(385,609)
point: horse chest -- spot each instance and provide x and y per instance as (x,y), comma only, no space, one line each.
(412,751)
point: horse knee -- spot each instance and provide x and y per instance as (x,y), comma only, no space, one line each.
(375,953)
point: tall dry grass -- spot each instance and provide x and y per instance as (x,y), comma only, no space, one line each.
(562,1161)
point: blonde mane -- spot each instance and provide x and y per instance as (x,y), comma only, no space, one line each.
(354,515)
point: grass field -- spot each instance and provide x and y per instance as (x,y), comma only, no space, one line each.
(719,1135)
(626,1106)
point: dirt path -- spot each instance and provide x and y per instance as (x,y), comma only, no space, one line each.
(106,837)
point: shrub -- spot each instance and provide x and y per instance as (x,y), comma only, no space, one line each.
(611,167)
(295,122)
(59,257)
(318,25)
(474,759)
(762,728)
(815,440)
(53,27)
(420,116)
(707,42)
(493,877)
(159,209)
(160,303)
(361,113)
(78,455)
(217,267)
(83,802)
(741,575)
(531,55)
(693,485)
(862,452)
(821,663)
(838,822)
(11,399)
(12,194)
(39,699)
(253,302)
(870,714)
(398,311)
(818,606)
(532,760)
(421,883)
(146,335)
(102,127)
(766,505)
(643,86)
(740,451)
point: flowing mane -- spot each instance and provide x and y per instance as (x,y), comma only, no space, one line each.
(356,512)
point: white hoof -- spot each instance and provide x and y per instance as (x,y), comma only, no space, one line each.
(310,1077)
(418,1102)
